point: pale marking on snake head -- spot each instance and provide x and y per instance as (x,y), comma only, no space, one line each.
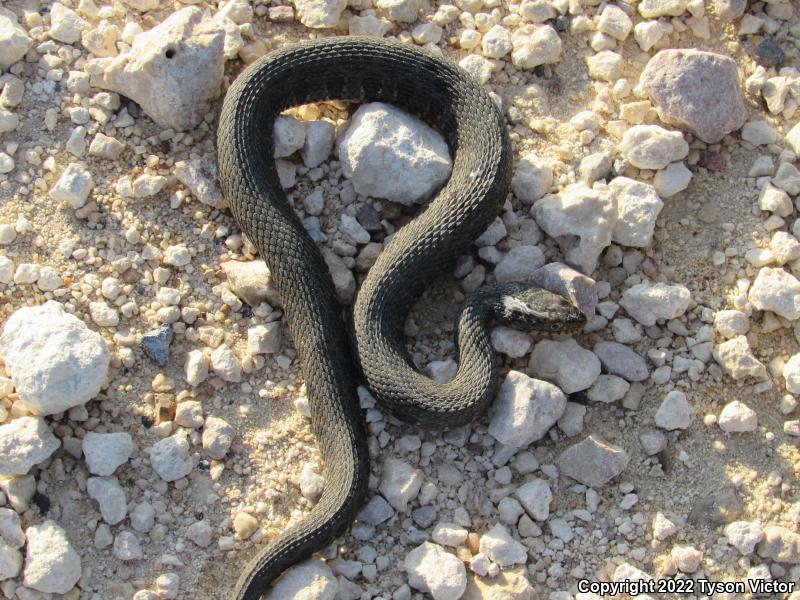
(512,304)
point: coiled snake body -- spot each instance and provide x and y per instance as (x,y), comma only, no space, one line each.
(367,69)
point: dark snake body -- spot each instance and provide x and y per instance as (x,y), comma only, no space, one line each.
(365,70)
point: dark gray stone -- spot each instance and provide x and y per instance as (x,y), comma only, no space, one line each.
(720,508)
(618,359)
(156,343)
(424,516)
(769,53)
(376,511)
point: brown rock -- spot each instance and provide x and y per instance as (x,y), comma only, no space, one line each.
(696,91)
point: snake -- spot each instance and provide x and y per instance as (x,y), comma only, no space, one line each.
(337,350)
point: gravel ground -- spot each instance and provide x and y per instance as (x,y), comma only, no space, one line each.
(153,428)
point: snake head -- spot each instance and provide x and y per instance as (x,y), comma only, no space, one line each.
(535,309)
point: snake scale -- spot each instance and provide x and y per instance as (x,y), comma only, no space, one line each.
(332,358)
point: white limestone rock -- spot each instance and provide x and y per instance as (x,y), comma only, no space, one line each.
(777,291)
(780,545)
(200,177)
(638,206)
(449,534)
(141,6)
(566,364)
(387,153)
(583,217)
(10,561)
(594,167)
(177,255)
(535,45)
(510,342)
(787,178)
(403,11)
(376,511)
(354,230)
(533,178)
(251,281)
(496,42)
(217,438)
(368,25)
(608,389)
(225,365)
(501,548)
(11,528)
(65,24)
(775,200)
(25,442)
(519,264)
(593,462)
(101,40)
(14,40)
(651,302)
(571,422)
(201,533)
(525,409)
(785,247)
(652,9)
(104,452)
(311,483)
(9,121)
(737,417)
(110,497)
(791,373)
(318,144)
(672,180)
(653,147)
(52,566)
(173,71)
(196,367)
(686,558)
(288,135)
(311,579)
(442,371)
(537,11)
(652,442)
(535,496)
(621,360)
(320,14)
(760,133)
(143,517)
(189,414)
(730,323)
(343,279)
(744,535)
(127,547)
(737,359)
(103,314)
(615,22)
(433,570)
(478,67)
(170,457)
(674,412)
(74,186)
(400,483)
(605,65)
(264,339)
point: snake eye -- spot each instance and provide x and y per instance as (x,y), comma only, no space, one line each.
(555,326)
